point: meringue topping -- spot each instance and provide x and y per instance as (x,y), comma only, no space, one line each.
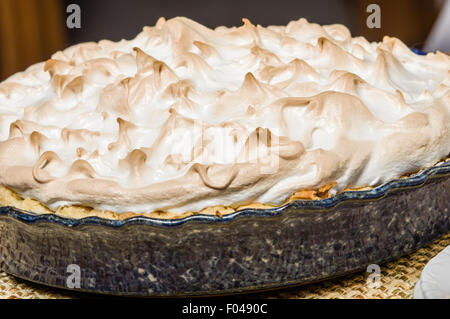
(184,117)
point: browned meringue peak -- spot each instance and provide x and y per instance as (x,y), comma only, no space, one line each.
(114,98)
(303,31)
(404,55)
(380,75)
(396,73)
(223,175)
(342,110)
(162,75)
(199,70)
(263,142)
(345,82)
(12,90)
(48,160)
(373,98)
(68,86)
(7,88)
(207,51)
(184,32)
(295,71)
(175,125)
(182,90)
(80,53)
(123,139)
(176,118)
(16,129)
(251,93)
(331,56)
(259,146)
(350,83)
(144,62)
(54,66)
(134,163)
(251,86)
(81,169)
(20,128)
(35,140)
(247,34)
(79,136)
(339,33)
(265,56)
(153,73)
(301,50)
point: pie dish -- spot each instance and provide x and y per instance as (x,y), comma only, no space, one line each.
(155,152)
(253,249)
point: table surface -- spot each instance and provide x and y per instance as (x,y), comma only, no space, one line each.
(397,280)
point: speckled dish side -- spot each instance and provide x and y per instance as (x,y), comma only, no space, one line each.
(300,242)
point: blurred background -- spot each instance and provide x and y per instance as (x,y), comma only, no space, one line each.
(32,30)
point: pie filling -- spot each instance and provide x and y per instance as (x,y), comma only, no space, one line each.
(184,119)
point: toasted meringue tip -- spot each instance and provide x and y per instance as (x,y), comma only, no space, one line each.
(247,22)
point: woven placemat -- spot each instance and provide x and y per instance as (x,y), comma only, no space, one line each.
(397,280)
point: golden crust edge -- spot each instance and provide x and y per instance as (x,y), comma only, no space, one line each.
(8,197)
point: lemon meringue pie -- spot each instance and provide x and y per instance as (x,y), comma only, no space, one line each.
(185,119)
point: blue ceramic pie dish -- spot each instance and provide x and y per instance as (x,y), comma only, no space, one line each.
(251,249)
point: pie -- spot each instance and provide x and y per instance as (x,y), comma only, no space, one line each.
(184,119)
